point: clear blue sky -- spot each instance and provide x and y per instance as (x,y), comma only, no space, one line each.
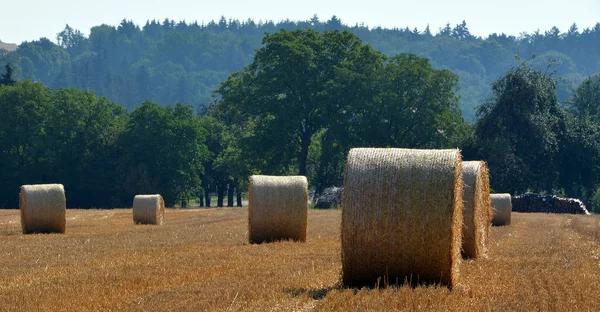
(26,20)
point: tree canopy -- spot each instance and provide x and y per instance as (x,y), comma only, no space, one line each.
(305,85)
(531,143)
(103,155)
(296,105)
(168,62)
(519,130)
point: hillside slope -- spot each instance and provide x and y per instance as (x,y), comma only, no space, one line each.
(169,62)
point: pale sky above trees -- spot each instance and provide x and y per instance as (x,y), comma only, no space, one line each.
(26,20)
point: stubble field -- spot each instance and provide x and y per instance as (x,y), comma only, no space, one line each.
(200,261)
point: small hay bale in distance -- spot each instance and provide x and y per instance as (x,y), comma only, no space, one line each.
(148,209)
(402,216)
(477,212)
(502,208)
(277,208)
(43,208)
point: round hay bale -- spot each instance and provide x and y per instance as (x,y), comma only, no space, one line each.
(277,208)
(148,209)
(43,208)
(402,216)
(477,212)
(502,208)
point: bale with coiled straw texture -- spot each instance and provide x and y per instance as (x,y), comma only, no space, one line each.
(502,208)
(43,208)
(477,212)
(402,216)
(277,208)
(148,209)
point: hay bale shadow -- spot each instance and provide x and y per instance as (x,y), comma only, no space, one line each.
(321,293)
(383,283)
(270,239)
(315,294)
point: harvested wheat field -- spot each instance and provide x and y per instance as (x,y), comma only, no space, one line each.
(200,261)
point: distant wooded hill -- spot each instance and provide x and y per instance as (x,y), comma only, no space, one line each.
(168,62)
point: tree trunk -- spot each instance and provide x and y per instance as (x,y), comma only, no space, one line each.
(230,194)
(183,203)
(305,142)
(207,195)
(238,196)
(201,200)
(221,188)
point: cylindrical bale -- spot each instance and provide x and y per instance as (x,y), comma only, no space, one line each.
(148,209)
(43,208)
(477,212)
(277,208)
(502,208)
(402,216)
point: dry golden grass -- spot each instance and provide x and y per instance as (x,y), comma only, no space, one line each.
(200,261)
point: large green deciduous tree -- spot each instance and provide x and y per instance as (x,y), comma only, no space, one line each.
(81,133)
(299,83)
(580,159)
(66,136)
(586,99)
(520,131)
(7,78)
(225,168)
(24,110)
(415,106)
(403,103)
(163,151)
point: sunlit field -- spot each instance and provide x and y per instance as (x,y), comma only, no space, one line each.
(200,261)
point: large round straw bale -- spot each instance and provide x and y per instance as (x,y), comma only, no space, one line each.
(277,208)
(502,207)
(477,212)
(43,208)
(148,209)
(402,216)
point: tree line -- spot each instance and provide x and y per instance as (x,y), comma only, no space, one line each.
(168,62)
(100,152)
(306,98)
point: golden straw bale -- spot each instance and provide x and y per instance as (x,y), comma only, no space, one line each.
(148,209)
(502,207)
(402,216)
(277,208)
(43,208)
(477,212)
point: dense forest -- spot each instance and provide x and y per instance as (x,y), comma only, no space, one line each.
(169,62)
(304,99)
